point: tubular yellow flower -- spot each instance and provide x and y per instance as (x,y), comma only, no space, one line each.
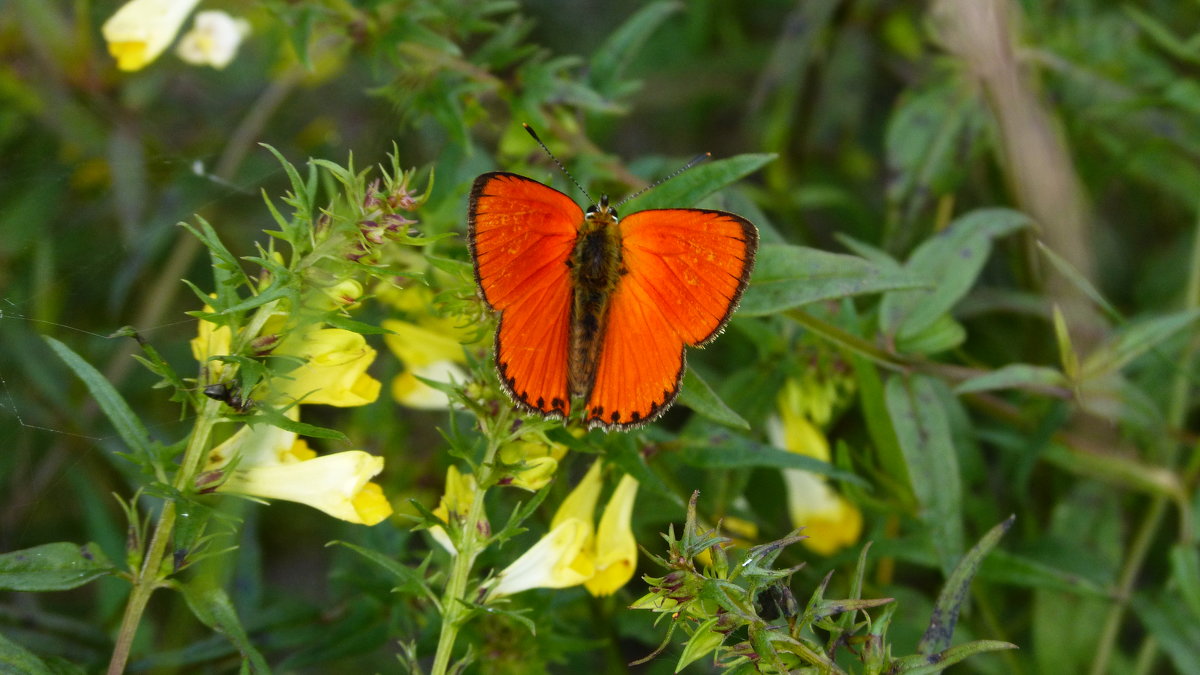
(615,548)
(555,561)
(273,463)
(333,372)
(830,522)
(574,552)
(581,503)
(213,39)
(460,494)
(142,29)
(338,484)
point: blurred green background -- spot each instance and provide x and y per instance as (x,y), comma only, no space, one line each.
(888,119)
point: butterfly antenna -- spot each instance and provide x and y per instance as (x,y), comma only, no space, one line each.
(560,164)
(693,162)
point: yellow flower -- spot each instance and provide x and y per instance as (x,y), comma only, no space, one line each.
(573,552)
(460,494)
(211,340)
(555,561)
(213,39)
(614,549)
(273,463)
(830,522)
(428,353)
(333,372)
(534,460)
(413,393)
(142,29)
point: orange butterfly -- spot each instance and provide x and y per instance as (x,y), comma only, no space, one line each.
(597,309)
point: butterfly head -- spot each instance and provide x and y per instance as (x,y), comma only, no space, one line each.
(602,213)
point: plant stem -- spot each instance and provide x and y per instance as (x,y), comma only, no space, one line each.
(454,606)
(1177,408)
(148,578)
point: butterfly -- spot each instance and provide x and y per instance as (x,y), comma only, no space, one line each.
(595,309)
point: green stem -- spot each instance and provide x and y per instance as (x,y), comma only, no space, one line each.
(150,575)
(859,346)
(454,602)
(1177,408)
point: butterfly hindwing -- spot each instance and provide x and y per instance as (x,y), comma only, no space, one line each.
(684,272)
(521,235)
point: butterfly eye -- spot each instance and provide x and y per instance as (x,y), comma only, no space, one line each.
(613,212)
(591,210)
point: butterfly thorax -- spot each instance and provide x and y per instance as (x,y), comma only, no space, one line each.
(595,270)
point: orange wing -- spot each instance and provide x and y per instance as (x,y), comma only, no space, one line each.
(521,235)
(685,270)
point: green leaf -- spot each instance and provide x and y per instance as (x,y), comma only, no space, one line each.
(16,659)
(942,335)
(1014,376)
(1134,340)
(300,188)
(127,424)
(879,426)
(212,607)
(739,454)
(1068,271)
(1010,568)
(276,418)
(624,44)
(409,581)
(702,642)
(1185,572)
(53,567)
(788,276)
(935,663)
(697,395)
(954,593)
(953,258)
(923,431)
(689,187)
(1169,622)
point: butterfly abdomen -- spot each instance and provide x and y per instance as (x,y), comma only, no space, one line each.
(595,269)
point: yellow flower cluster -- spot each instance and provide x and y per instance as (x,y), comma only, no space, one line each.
(829,520)
(265,461)
(141,30)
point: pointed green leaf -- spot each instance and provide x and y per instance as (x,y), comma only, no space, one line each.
(625,43)
(918,664)
(702,642)
(697,395)
(1134,340)
(700,181)
(211,605)
(1014,376)
(788,276)
(954,593)
(923,432)
(53,567)
(127,424)
(953,258)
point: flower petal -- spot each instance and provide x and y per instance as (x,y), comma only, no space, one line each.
(142,29)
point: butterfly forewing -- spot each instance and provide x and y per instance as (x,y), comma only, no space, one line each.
(684,272)
(521,235)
